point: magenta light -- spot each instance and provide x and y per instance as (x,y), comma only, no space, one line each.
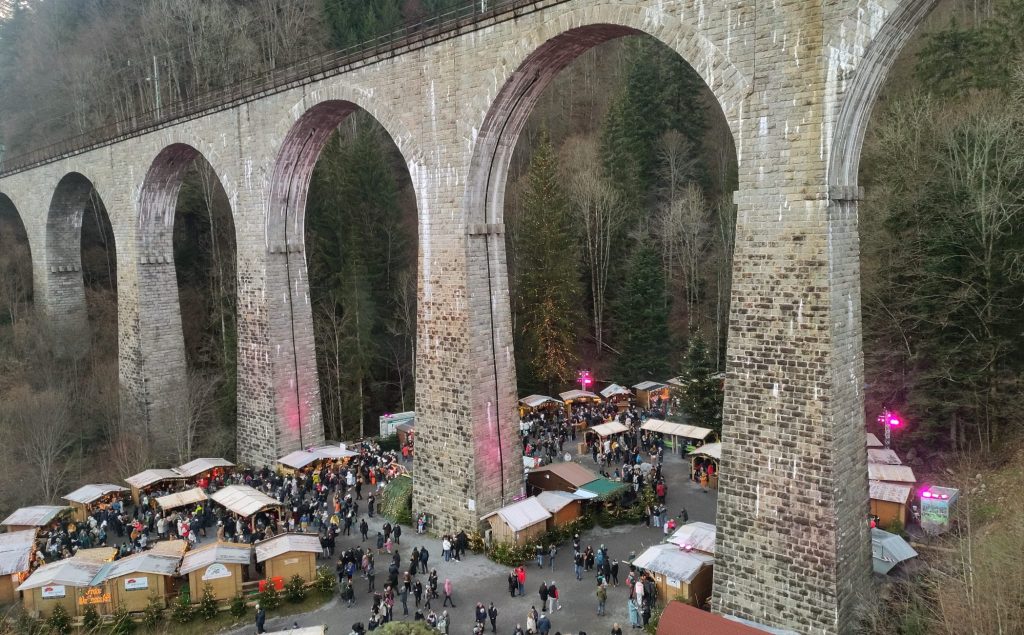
(926,494)
(893,421)
(944,496)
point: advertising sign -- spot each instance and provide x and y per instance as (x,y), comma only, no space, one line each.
(136,584)
(216,571)
(94,595)
(54,591)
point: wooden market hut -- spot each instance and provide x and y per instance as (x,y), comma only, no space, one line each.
(245,501)
(199,471)
(287,555)
(133,580)
(695,536)
(537,402)
(222,565)
(16,551)
(890,502)
(678,435)
(67,583)
(88,498)
(891,473)
(709,453)
(564,477)
(649,391)
(296,461)
(872,440)
(564,507)
(189,497)
(577,396)
(148,479)
(678,573)
(519,523)
(34,517)
(618,395)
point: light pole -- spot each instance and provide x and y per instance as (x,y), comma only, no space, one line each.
(889,420)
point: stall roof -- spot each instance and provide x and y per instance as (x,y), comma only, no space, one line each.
(181,499)
(407,426)
(90,493)
(145,562)
(334,452)
(701,536)
(243,500)
(16,551)
(672,562)
(96,554)
(650,385)
(152,477)
(676,429)
(533,401)
(169,548)
(676,381)
(556,501)
(679,618)
(523,514)
(890,492)
(286,543)
(569,395)
(198,466)
(888,550)
(603,488)
(572,473)
(35,516)
(894,473)
(884,456)
(298,459)
(608,429)
(73,572)
(222,552)
(873,441)
(614,390)
(713,450)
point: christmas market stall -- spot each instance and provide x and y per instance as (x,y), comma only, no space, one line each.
(35,517)
(678,436)
(89,498)
(564,477)
(201,471)
(534,403)
(695,536)
(133,580)
(222,565)
(890,502)
(618,395)
(564,507)
(16,551)
(651,393)
(678,573)
(148,480)
(873,441)
(706,459)
(578,397)
(891,473)
(188,498)
(518,523)
(248,503)
(287,555)
(67,583)
(297,461)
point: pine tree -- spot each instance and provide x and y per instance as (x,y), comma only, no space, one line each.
(641,323)
(548,290)
(701,396)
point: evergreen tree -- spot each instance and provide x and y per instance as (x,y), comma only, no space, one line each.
(548,290)
(641,322)
(701,395)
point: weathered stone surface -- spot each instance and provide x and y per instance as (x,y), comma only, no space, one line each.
(795,80)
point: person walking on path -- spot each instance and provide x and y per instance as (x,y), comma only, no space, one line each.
(448,593)
(261,619)
(513,583)
(521,575)
(397,532)
(371,576)
(578,562)
(543,625)
(492,615)
(552,550)
(531,620)
(424,556)
(539,550)
(602,597)
(543,592)
(364,529)
(553,603)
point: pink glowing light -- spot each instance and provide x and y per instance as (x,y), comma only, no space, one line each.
(894,421)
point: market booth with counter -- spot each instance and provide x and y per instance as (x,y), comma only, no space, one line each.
(564,477)
(678,573)
(247,502)
(35,517)
(708,457)
(579,398)
(133,580)
(202,471)
(677,436)
(148,480)
(16,552)
(88,498)
(519,523)
(618,395)
(650,392)
(67,583)
(222,565)
(534,403)
(287,555)
(188,498)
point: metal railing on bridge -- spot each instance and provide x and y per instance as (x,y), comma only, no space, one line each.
(473,14)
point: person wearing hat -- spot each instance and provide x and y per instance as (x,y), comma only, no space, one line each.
(261,618)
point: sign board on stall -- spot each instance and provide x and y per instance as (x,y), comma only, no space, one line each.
(291,561)
(136,584)
(54,591)
(94,595)
(216,571)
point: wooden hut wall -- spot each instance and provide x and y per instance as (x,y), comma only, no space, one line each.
(556,483)
(567,514)
(500,531)
(138,599)
(7,592)
(36,604)
(888,511)
(79,512)
(223,588)
(700,587)
(286,565)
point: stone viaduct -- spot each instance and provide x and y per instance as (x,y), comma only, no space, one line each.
(795,79)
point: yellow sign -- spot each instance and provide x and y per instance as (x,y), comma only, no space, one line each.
(94,595)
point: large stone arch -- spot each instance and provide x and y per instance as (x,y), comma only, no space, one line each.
(8,204)
(494,398)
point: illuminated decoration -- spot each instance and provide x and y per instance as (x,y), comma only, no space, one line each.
(94,595)
(889,419)
(585,379)
(938,508)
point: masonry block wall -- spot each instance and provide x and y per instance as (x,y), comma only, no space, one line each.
(794,79)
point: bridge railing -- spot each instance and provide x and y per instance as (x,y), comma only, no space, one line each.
(311,68)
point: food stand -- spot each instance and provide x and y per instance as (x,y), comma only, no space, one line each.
(564,507)
(133,580)
(222,565)
(16,551)
(147,479)
(647,392)
(678,573)
(577,396)
(519,523)
(709,454)
(246,502)
(34,517)
(531,403)
(287,555)
(88,498)
(201,471)
(296,461)
(618,395)
(678,435)
(67,583)
(192,496)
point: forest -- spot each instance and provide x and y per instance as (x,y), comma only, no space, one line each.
(619,216)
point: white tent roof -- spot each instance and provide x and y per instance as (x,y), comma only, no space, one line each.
(700,536)
(150,477)
(145,562)
(298,459)
(181,499)
(73,572)
(613,390)
(873,441)
(333,452)
(888,550)
(608,429)
(672,562)
(886,456)
(16,550)
(714,450)
(894,473)
(555,501)
(285,543)
(198,466)
(88,493)
(890,492)
(569,395)
(534,401)
(523,514)
(650,385)
(35,516)
(222,552)
(676,429)
(243,500)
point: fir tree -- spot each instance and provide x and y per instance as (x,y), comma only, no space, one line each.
(642,320)
(701,396)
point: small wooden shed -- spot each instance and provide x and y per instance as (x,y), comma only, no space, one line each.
(287,555)
(133,580)
(565,477)
(708,454)
(88,498)
(16,549)
(647,392)
(148,479)
(678,573)
(618,395)
(564,507)
(519,523)
(890,501)
(34,517)
(67,583)
(222,565)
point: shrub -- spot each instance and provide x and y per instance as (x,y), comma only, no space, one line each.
(182,613)
(208,604)
(238,607)
(510,554)
(90,619)
(26,625)
(153,612)
(122,623)
(59,621)
(295,589)
(269,598)
(325,582)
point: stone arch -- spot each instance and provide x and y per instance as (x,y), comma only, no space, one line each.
(493,405)
(7,204)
